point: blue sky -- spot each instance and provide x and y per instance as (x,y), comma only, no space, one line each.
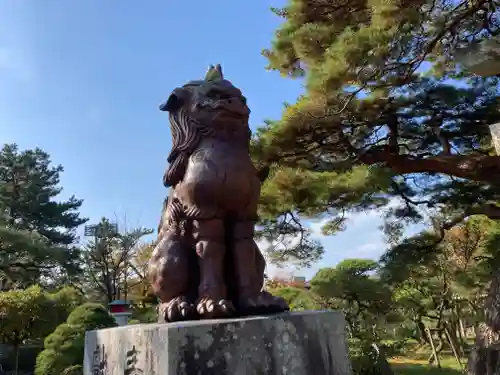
(83,80)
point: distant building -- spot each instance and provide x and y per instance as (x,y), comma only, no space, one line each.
(298,279)
(293,281)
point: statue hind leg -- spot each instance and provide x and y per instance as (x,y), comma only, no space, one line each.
(249,266)
(170,271)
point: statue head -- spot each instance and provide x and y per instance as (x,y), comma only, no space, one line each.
(211,101)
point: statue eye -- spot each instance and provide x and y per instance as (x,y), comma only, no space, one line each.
(244,100)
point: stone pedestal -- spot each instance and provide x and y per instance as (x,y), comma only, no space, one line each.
(300,343)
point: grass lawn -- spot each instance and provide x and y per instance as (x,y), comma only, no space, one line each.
(408,366)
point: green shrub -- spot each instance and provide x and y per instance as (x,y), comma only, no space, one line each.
(64,348)
(144,314)
(92,316)
(65,300)
(297,298)
(368,359)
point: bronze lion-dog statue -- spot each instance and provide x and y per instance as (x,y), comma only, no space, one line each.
(206,263)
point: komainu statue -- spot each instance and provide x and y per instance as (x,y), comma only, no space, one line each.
(206,263)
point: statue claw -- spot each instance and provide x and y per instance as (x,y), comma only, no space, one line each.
(175,310)
(210,308)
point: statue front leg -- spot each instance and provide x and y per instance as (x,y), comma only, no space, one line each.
(249,265)
(211,248)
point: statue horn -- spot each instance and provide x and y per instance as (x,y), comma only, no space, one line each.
(214,73)
(218,67)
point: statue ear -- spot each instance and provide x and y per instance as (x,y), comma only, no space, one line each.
(176,100)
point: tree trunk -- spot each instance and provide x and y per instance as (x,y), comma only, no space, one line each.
(17,348)
(484,358)
(463,334)
(381,364)
(435,351)
(424,339)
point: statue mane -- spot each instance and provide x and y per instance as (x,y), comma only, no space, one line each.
(186,136)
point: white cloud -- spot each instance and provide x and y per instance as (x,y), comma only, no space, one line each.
(362,238)
(368,250)
(316,225)
(353,219)
(282,271)
(356,219)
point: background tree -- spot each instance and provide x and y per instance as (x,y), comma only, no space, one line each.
(29,187)
(25,256)
(298,298)
(138,282)
(294,193)
(64,301)
(139,287)
(353,287)
(443,285)
(64,348)
(384,90)
(110,265)
(25,315)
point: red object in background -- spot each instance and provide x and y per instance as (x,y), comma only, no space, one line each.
(118,307)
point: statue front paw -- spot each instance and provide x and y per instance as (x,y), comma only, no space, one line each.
(177,309)
(211,308)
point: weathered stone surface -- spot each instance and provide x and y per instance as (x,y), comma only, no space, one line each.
(291,343)
(495,135)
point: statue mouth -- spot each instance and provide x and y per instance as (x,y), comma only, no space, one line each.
(233,114)
(229,116)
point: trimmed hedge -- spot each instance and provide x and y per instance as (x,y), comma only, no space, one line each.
(64,348)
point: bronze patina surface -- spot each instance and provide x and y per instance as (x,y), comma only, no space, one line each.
(206,263)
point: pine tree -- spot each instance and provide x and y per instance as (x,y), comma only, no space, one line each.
(387,113)
(29,186)
(37,232)
(24,256)
(385,94)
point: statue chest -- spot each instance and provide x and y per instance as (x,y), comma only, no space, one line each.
(221,166)
(224,155)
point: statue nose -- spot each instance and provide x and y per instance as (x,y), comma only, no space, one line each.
(235,105)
